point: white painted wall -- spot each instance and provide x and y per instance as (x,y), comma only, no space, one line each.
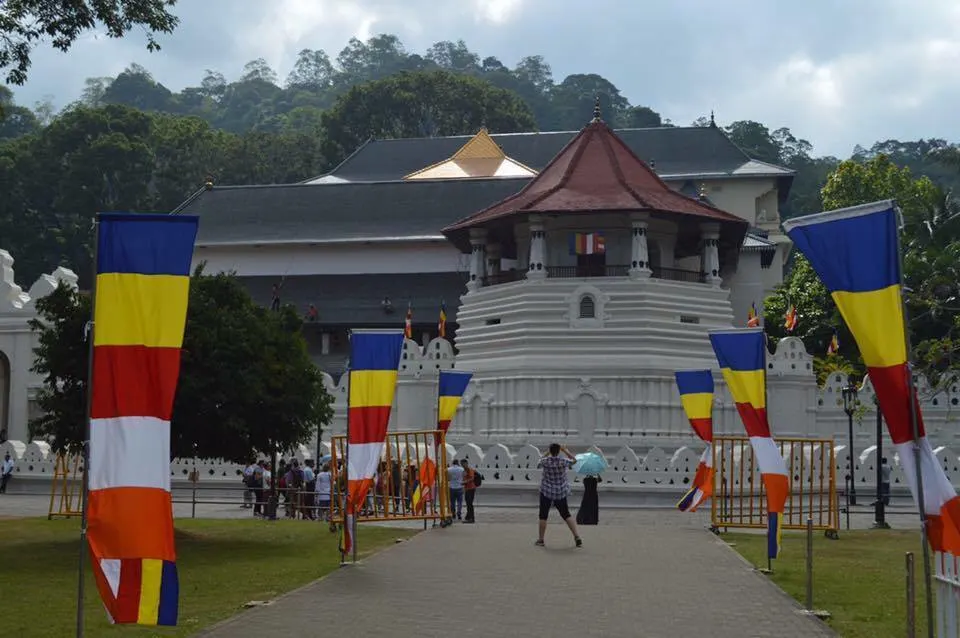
(333,259)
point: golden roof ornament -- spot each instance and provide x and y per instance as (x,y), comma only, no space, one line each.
(596,110)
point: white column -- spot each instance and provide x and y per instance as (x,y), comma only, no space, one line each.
(538,249)
(493,259)
(478,247)
(711,253)
(639,254)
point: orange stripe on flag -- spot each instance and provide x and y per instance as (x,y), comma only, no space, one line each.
(942,529)
(131,522)
(777,488)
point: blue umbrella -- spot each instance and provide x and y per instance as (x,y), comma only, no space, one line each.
(589,463)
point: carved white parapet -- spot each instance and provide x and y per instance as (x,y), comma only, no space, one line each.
(639,252)
(478,258)
(711,253)
(538,249)
(12,297)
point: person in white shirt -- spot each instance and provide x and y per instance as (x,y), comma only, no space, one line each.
(455,485)
(6,471)
(323,490)
(248,495)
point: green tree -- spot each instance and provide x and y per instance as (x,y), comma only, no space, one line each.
(421,104)
(24,22)
(246,381)
(929,243)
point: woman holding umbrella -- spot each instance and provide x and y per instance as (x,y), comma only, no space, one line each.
(589,465)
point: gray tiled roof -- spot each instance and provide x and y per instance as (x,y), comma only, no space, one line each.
(673,150)
(354,300)
(342,211)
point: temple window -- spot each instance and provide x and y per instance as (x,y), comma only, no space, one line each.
(588,309)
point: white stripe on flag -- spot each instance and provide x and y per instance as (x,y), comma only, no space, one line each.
(129,451)
(937,489)
(364,458)
(768,455)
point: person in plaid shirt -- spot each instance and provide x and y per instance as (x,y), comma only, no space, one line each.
(554,489)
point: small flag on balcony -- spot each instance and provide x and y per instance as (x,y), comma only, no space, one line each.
(442,324)
(408,323)
(587,244)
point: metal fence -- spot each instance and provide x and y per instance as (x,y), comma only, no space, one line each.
(947,588)
(739,499)
(394,494)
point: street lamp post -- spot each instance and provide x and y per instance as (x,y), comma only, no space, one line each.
(879,512)
(850,406)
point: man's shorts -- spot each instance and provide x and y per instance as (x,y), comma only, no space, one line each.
(560,504)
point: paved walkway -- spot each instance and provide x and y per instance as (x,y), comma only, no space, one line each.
(640,573)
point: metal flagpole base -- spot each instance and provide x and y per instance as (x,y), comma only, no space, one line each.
(879,525)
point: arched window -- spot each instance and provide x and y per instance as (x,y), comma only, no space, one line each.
(588,309)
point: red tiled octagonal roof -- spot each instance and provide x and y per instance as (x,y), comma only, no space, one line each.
(596,172)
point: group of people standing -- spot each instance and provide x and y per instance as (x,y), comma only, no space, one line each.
(463,481)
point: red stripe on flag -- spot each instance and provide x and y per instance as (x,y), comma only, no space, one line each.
(134,381)
(368,425)
(127,607)
(444,425)
(703,428)
(754,420)
(890,385)
(131,521)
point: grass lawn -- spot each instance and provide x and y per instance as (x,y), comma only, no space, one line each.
(222,564)
(860,578)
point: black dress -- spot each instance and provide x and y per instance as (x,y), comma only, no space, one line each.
(589,512)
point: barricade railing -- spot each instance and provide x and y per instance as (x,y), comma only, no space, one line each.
(947,587)
(392,495)
(739,499)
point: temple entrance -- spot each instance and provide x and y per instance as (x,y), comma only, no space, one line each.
(4,397)
(594,265)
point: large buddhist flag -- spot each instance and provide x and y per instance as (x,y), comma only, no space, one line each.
(374,359)
(742,356)
(696,395)
(452,384)
(855,251)
(143,282)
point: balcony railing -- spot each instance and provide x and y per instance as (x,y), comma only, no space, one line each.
(576,272)
(568,272)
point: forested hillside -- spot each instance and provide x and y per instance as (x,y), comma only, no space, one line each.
(130,143)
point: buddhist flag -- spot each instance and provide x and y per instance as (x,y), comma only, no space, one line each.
(408,323)
(374,359)
(834,346)
(452,384)
(587,244)
(855,251)
(791,319)
(442,324)
(426,479)
(742,356)
(753,319)
(140,310)
(696,395)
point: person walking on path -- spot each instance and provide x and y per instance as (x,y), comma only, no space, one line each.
(589,511)
(455,484)
(554,490)
(6,471)
(471,481)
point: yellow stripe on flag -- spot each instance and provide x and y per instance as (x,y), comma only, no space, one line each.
(875,318)
(372,388)
(448,408)
(151,571)
(746,386)
(141,310)
(697,405)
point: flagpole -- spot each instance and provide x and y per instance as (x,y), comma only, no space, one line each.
(346,468)
(915,428)
(85,449)
(766,353)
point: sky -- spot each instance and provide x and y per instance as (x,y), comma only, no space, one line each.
(836,73)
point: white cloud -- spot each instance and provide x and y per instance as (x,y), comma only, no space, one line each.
(497,11)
